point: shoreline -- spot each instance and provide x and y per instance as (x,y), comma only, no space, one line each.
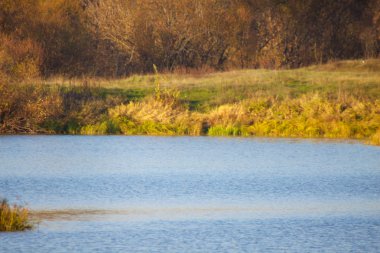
(308,103)
(267,138)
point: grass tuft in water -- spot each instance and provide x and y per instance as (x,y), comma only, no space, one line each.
(13,218)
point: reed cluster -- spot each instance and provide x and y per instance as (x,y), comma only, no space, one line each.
(13,218)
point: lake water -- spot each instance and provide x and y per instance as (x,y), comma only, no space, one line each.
(192,194)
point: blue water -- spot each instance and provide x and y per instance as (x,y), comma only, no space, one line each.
(186,194)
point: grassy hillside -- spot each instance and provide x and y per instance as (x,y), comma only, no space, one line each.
(336,100)
(359,78)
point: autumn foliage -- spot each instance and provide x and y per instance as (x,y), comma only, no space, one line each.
(119,37)
(113,47)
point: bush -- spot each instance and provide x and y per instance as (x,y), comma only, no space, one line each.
(24,108)
(20,60)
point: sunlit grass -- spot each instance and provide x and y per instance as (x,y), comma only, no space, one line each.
(203,91)
(13,218)
(335,100)
(309,116)
(375,138)
(360,72)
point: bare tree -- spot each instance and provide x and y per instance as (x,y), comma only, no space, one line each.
(112,20)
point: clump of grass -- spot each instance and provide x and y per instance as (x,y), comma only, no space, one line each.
(225,131)
(13,218)
(375,139)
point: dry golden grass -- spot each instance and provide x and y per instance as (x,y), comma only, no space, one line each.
(13,218)
(336,100)
(375,139)
(309,116)
(342,74)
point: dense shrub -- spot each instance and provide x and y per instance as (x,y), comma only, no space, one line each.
(20,60)
(117,37)
(24,108)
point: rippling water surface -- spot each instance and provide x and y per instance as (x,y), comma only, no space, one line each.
(182,194)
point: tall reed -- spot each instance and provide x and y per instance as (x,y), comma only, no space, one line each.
(13,218)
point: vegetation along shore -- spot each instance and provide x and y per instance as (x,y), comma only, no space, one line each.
(334,100)
(191,67)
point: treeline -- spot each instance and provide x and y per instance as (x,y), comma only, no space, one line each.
(118,37)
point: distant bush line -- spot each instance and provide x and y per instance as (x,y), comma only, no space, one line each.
(117,38)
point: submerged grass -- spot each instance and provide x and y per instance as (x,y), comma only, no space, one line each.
(13,218)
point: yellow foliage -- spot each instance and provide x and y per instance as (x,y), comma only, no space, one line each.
(309,116)
(13,218)
(149,110)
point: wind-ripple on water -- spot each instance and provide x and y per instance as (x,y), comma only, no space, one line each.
(153,194)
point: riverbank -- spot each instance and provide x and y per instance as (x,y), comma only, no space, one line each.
(336,100)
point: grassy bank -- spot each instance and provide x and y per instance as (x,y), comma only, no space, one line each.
(306,116)
(13,218)
(336,100)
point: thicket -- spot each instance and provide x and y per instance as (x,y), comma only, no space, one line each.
(119,37)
